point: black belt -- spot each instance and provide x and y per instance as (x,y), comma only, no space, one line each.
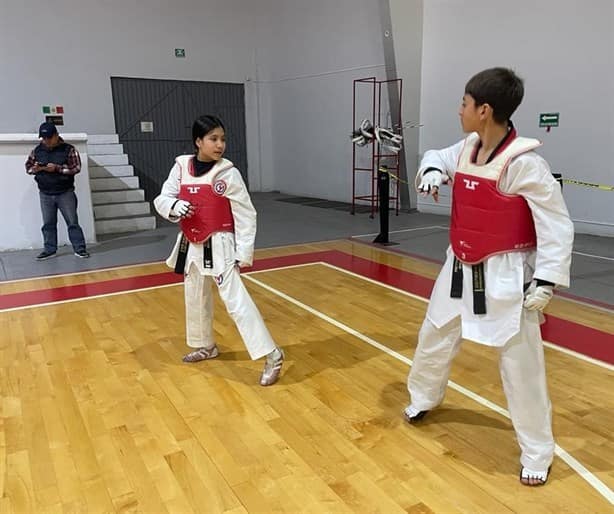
(456,289)
(183,254)
(207,254)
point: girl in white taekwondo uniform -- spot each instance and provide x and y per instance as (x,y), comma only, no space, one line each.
(511,241)
(207,196)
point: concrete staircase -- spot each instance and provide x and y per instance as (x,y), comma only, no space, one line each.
(119,204)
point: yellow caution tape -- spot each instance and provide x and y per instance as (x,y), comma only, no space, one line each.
(565,181)
(386,170)
(587,184)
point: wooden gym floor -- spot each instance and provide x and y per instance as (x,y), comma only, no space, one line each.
(99,414)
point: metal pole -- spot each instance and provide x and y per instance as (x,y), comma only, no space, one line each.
(383,186)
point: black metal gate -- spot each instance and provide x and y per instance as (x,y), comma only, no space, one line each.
(153,119)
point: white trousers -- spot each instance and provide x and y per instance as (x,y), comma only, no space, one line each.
(523,373)
(240,307)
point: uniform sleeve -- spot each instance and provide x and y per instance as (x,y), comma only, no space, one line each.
(244,216)
(168,196)
(444,160)
(530,177)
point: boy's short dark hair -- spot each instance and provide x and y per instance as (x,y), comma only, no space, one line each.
(500,88)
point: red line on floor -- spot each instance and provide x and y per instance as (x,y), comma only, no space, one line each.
(582,339)
(63,293)
(72,292)
(392,249)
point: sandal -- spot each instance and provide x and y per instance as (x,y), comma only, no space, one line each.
(201,354)
(528,474)
(272,367)
(412,415)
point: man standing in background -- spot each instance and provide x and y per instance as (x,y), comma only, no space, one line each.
(54,164)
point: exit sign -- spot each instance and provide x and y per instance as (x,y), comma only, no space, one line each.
(179,52)
(549,119)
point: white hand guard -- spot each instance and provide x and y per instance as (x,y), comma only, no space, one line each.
(430,181)
(363,134)
(537,297)
(180,209)
(388,139)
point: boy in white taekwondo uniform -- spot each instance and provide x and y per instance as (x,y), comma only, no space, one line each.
(207,196)
(511,240)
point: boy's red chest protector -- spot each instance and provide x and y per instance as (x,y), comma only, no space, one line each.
(486,222)
(212,212)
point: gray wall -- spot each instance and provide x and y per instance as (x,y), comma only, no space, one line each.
(63,52)
(406,33)
(564,49)
(317,49)
(297,60)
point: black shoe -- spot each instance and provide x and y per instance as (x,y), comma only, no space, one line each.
(45,255)
(83,254)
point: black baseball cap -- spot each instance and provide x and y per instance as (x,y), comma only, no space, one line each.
(47,129)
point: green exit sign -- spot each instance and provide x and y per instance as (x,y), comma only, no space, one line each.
(179,52)
(549,119)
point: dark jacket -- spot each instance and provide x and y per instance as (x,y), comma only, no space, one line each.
(56,182)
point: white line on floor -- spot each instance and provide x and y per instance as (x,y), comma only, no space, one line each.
(128,291)
(594,256)
(552,346)
(403,230)
(82,298)
(75,273)
(573,463)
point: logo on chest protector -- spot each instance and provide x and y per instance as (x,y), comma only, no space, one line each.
(470,184)
(219,279)
(219,187)
(193,189)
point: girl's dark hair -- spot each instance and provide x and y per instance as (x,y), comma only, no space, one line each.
(203,125)
(500,88)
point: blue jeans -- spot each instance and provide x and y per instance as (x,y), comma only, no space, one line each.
(67,203)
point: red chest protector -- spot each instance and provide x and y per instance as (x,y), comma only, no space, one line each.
(486,222)
(212,212)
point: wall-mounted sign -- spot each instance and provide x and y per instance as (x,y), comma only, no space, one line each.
(179,52)
(146,126)
(549,119)
(55,119)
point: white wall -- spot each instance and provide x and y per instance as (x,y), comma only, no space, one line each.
(309,62)
(64,52)
(564,49)
(297,60)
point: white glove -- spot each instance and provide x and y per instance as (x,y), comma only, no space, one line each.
(180,209)
(430,182)
(363,134)
(537,297)
(366,129)
(387,138)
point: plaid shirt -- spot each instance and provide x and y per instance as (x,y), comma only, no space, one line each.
(71,167)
